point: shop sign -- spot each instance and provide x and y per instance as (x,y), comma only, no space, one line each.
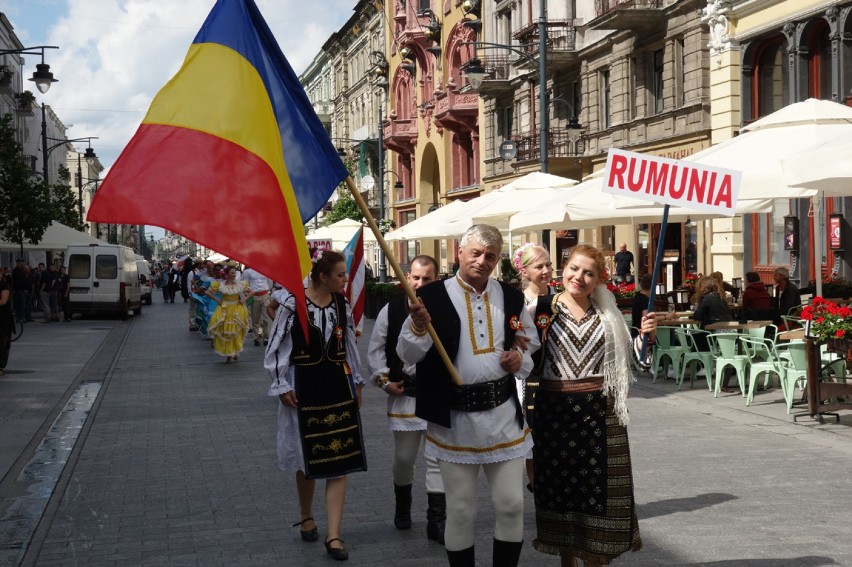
(671,182)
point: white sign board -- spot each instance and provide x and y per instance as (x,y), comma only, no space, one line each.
(319,244)
(672,182)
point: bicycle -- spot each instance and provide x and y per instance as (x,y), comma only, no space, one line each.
(17,327)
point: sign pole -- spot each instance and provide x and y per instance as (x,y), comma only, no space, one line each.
(657,263)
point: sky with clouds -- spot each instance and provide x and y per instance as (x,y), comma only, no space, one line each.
(114,55)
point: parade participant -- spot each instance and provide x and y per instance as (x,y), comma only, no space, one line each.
(398,382)
(319,385)
(536,270)
(581,448)
(229,323)
(259,284)
(478,424)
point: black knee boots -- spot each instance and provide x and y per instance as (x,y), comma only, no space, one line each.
(436,516)
(463,558)
(507,553)
(402,515)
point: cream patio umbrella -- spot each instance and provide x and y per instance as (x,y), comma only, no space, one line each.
(825,168)
(448,221)
(763,145)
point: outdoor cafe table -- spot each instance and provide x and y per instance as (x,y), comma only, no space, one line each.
(661,314)
(736,325)
(792,335)
(676,322)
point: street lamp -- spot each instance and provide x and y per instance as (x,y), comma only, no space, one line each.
(90,159)
(42,77)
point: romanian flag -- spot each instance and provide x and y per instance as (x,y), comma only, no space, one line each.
(231,153)
(356,272)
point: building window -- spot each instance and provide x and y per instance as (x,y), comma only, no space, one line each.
(424,5)
(504,117)
(606,120)
(819,61)
(632,102)
(680,71)
(657,81)
(768,241)
(769,78)
(577,97)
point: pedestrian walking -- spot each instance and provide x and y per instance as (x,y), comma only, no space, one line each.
(623,264)
(7,323)
(22,289)
(229,323)
(63,290)
(318,382)
(581,448)
(480,423)
(398,382)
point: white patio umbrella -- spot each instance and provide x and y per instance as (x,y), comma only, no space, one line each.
(763,145)
(493,208)
(586,205)
(445,222)
(340,233)
(825,168)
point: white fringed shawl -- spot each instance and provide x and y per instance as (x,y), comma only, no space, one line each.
(617,367)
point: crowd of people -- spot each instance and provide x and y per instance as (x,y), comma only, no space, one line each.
(223,303)
(477,410)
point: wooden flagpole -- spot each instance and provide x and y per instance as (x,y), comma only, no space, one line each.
(401,276)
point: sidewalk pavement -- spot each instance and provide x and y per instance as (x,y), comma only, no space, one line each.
(176,466)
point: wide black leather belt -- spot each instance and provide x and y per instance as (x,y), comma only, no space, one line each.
(482,396)
(407,385)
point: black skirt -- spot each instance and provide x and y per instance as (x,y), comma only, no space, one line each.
(583,478)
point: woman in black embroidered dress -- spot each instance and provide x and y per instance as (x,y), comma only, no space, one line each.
(580,421)
(318,382)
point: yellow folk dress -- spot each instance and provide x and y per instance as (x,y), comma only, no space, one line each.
(230,321)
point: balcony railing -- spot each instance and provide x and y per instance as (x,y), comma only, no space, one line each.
(559,144)
(605,6)
(561,36)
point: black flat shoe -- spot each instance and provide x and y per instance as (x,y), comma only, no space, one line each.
(308,535)
(337,553)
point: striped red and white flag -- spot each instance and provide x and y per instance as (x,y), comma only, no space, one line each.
(355,292)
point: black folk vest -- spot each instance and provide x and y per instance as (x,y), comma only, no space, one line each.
(434,384)
(305,354)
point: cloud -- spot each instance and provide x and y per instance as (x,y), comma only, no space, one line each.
(115,55)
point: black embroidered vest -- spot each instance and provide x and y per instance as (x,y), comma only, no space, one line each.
(434,384)
(335,351)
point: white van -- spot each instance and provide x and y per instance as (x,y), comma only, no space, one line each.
(144,270)
(103,278)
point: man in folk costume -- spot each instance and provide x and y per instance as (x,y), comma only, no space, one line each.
(397,381)
(478,424)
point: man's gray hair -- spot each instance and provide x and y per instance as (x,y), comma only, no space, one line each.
(485,234)
(783,272)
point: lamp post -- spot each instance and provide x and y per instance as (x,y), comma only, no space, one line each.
(380,71)
(90,159)
(473,7)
